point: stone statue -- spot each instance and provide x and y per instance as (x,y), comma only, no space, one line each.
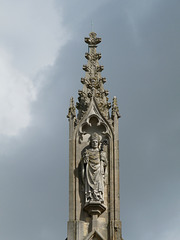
(94,162)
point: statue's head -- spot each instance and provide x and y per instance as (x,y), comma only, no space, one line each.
(94,140)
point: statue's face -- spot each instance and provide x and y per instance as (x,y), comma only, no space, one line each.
(94,143)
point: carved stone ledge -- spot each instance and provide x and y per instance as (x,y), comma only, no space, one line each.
(94,208)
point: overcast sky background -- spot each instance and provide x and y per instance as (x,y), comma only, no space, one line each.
(41,56)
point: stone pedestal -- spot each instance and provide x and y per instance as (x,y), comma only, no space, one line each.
(94,208)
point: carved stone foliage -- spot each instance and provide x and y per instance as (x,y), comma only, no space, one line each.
(83,103)
(93,40)
(93,86)
(93,83)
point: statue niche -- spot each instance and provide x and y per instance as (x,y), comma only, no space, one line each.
(94,163)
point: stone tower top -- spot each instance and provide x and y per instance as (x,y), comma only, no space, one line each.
(94,199)
(93,82)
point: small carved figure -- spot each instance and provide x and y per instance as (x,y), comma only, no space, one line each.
(94,162)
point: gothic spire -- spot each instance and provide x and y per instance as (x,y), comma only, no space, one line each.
(94,197)
(93,82)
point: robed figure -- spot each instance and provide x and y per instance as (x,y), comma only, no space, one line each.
(94,163)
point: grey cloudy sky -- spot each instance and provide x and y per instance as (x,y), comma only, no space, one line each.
(41,57)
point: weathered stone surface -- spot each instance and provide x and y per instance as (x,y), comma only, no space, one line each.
(94,207)
(93,168)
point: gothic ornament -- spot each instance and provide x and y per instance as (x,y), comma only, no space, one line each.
(94,211)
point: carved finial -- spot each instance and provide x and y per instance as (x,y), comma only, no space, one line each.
(92,40)
(115,109)
(93,82)
(72,109)
(93,69)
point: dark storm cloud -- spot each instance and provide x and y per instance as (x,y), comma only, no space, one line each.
(141,59)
